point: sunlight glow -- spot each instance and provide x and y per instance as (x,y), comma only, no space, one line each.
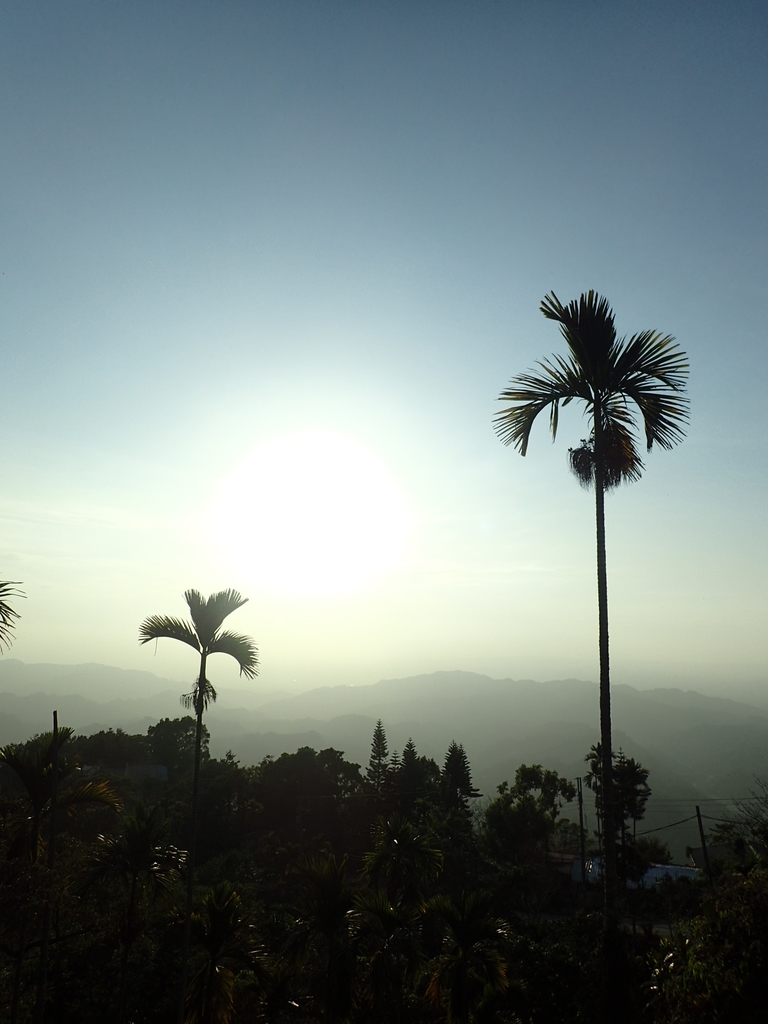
(311,513)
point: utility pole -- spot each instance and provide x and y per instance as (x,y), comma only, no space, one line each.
(707,868)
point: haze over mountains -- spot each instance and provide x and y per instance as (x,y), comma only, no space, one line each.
(699,749)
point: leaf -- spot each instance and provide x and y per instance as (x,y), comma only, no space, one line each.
(209,613)
(156,626)
(8,614)
(241,648)
(606,373)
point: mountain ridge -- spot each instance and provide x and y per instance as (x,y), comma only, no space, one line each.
(697,747)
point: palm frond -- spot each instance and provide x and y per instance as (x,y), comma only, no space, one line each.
(156,626)
(665,414)
(208,613)
(653,355)
(621,460)
(138,850)
(652,371)
(29,766)
(558,381)
(403,859)
(32,763)
(8,614)
(90,793)
(472,959)
(588,326)
(649,370)
(241,648)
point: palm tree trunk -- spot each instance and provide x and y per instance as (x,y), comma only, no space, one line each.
(612,996)
(127,942)
(42,971)
(199,704)
(609,831)
(19,970)
(330,988)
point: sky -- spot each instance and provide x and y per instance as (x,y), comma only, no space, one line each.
(265,270)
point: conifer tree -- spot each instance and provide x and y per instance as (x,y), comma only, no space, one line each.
(457,778)
(416,782)
(378,765)
(409,776)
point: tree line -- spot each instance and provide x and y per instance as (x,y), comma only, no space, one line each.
(325,891)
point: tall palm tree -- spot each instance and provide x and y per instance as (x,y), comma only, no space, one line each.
(606,373)
(205,635)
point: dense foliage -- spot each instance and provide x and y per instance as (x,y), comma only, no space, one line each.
(325,892)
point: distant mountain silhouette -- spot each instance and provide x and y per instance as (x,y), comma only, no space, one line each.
(697,747)
(89,697)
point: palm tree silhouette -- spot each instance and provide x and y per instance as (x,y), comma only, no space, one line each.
(40,769)
(322,931)
(402,862)
(205,635)
(388,937)
(606,373)
(33,764)
(223,931)
(471,964)
(137,856)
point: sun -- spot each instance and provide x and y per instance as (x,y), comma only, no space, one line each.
(311,513)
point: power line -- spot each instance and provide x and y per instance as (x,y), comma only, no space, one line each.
(661,828)
(703,800)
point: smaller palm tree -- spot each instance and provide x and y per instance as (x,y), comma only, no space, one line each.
(471,965)
(389,940)
(222,930)
(322,931)
(139,857)
(32,763)
(402,861)
(205,635)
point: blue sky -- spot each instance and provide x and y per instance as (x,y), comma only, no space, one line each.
(224,224)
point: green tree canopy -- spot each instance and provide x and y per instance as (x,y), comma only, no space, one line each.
(172,742)
(520,823)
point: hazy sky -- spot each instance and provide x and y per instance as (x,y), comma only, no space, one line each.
(265,269)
